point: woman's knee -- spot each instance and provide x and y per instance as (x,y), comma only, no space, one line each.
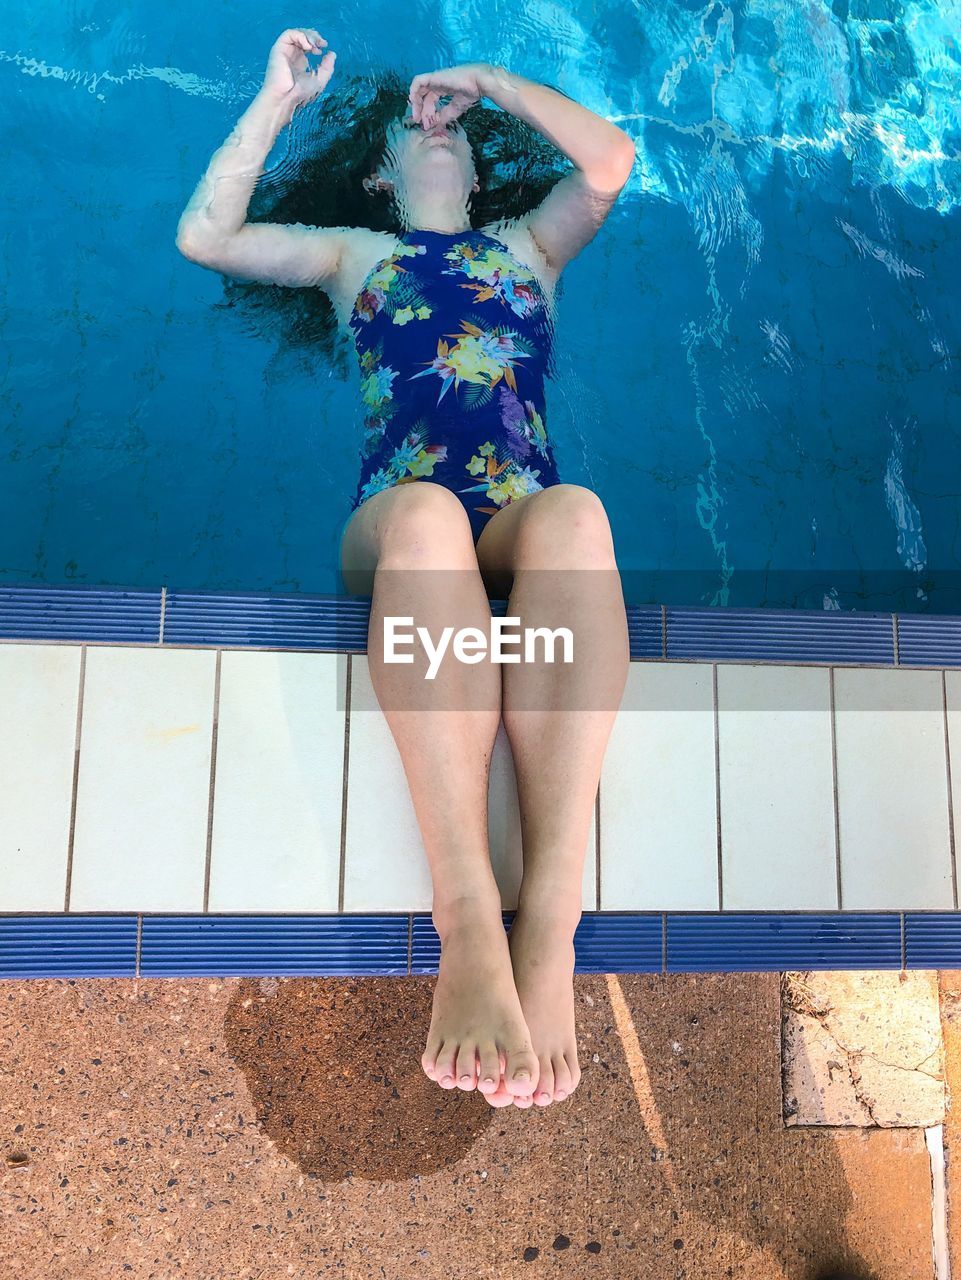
(425,524)
(567,526)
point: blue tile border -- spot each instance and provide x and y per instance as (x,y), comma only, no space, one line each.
(929,641)
(292,622)
(78,614)
(338,623)
(154,946)
(794,635)
(625,942)
(752,942)
(932,939)
(61,946)
(320,946)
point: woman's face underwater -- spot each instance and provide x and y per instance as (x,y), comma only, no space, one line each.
(441,156)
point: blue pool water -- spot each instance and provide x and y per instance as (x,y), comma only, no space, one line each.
(759,356)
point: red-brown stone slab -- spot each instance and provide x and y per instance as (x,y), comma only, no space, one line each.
(263,1128)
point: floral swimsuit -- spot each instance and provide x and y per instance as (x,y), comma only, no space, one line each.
(453,335)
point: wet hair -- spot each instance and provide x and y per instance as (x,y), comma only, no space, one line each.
(336,142)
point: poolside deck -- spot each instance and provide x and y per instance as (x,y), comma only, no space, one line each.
(258,1128)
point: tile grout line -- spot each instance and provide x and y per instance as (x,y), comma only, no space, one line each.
(947,759)
(834,788)
(213,777)
(663,942)
(410,944)
(896,638)
(163,613)
(75,780)
(717,789)
(342,868)
(139,945)
(904,945)
(597,848)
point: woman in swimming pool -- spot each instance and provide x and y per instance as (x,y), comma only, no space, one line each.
(459,500)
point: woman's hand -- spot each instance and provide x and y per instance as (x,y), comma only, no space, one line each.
(465,84)
(289,78)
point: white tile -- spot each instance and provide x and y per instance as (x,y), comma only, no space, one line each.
(892,789)
(952,680)
(144,779)
(777,788)
(386,867)
(278,788)
(39,691)
(658,800)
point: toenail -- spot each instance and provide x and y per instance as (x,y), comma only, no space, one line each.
(464,1079)
(561,1095)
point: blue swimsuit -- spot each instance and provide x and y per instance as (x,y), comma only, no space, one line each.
(454,336)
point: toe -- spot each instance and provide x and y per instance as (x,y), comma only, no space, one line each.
(563,1080)
(467,1066)
(489,1074)
(575,1070)
(429,1057)
(544,1093)
(500,1097)
(521,1074)
(446,1064)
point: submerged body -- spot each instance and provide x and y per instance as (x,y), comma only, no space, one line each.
(453,336)
(452,328)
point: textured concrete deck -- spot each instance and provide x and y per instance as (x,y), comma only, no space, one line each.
(257,1127)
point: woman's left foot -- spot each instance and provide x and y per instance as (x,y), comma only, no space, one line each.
(542,956)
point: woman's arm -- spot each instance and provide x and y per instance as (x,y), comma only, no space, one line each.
(601,151)
(572,212)
(213,229)
(603,155)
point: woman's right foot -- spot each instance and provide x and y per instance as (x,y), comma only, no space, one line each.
(478,1038)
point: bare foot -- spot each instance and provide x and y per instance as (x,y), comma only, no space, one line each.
(478,1037)
(542,954)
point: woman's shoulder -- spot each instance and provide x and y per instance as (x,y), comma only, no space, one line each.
(363,247)
(361,250)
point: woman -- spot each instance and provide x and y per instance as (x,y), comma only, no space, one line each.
(452,330)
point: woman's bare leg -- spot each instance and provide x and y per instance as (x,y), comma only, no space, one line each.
(553,552)
(410,548)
